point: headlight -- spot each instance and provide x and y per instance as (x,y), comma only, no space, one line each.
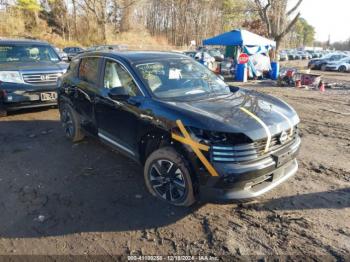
(210,137)
(11,77)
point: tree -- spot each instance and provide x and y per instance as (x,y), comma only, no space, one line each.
(277,18)
(57,17)
(307,32)
(234,12)
(30,9)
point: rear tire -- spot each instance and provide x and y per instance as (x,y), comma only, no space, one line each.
(71,123)
(167,177)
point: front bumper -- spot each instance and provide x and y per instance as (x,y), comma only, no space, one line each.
(248,181)
(26,96)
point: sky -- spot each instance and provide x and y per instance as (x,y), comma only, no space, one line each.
(328,17)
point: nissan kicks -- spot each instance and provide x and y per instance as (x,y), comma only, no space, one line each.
(196,137)
(29,71)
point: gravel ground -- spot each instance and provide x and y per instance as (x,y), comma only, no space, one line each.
(62,199)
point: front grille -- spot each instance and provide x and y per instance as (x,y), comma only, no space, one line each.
(251,151)
(41,78)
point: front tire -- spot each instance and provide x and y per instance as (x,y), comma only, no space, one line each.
(71,123)
(342,69)
(167,176)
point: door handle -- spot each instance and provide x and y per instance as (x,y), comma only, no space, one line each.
(107,100)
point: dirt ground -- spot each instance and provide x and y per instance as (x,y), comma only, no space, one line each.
(57,198)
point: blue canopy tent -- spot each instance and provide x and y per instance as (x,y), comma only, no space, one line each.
(249,42)
(241,38)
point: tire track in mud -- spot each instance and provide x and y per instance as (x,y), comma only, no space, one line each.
(272,232)
(299,100)
(327,129)
(325,170)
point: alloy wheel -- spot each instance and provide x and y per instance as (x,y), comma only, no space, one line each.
(167,180)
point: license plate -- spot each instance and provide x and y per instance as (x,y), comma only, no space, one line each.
(281,158)
(49,96)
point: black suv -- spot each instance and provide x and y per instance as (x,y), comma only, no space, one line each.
(28,74)
(196,136)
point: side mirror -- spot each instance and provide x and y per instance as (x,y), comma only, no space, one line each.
(118,93)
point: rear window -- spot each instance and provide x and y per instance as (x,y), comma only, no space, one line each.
(27,53)
(88,70)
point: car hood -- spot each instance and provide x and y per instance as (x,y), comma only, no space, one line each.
(224,114)
(25,67)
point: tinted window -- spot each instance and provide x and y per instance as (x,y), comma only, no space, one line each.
(88,70)
(27,53)
(73,66)
(117,77)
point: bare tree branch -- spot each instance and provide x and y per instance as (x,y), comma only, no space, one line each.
(294,8)
(289,27)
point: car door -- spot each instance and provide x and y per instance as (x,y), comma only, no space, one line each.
(87,86)
(118,119)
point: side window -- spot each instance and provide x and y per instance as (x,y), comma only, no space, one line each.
(116,77)
(73,66)
(88,70)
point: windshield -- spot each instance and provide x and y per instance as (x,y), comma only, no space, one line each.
(327,56)
(181,78)
(27,53)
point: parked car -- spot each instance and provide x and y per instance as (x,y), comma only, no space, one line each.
(28,74)
(342,65)
(313,54)
(303,55)
(61,54)
(283,56)
(216,54)
(208,55)
(291,55)
(317,55)
(72,51)
(110,47)
(196,136)
(318,63)
(190,53)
